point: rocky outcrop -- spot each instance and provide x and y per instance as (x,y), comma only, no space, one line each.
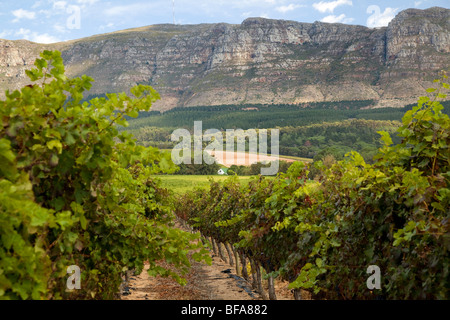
(15,58)
(258,61)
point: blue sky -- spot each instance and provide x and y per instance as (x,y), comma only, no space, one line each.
(48,21)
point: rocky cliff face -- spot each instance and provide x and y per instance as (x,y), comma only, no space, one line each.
(258,61)
(15,58)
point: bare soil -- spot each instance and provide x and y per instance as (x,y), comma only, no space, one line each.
(228,159)
(215,282)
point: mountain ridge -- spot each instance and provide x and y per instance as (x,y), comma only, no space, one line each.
(258,61)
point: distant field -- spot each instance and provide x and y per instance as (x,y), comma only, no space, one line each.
(180,184)
(246,159)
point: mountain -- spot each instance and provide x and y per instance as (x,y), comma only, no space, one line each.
(258,61)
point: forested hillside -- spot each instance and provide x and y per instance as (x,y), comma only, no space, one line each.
(310,130)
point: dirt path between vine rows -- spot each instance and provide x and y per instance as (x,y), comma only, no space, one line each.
(216,282)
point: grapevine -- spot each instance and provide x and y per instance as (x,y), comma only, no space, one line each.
(321,235)
(75,191)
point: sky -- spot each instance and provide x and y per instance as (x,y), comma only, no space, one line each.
(49,21)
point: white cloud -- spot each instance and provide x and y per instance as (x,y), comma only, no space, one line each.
(37,4)
(5,33)
(27,34)
(59,28)
(43,38)
(128,10)
(87,2)
(62,5)
(241,4)
(23,32)
(59,5)
(107,26)
(23,14)
(378,19)
(330,6)
(337,19)
(290,7)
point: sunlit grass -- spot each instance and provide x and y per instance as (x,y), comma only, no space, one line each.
(180,184)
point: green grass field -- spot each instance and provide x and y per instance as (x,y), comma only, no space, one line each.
(180,184)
